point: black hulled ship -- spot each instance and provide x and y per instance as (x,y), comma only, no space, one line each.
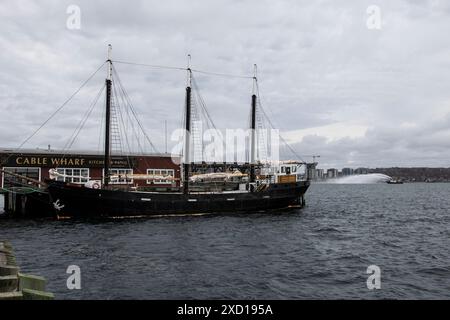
(246,189)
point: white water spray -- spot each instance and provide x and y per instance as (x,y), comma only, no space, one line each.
(362,179)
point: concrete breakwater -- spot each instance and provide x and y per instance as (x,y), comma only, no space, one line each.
(15,285)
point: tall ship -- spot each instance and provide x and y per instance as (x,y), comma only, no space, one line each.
(202,188)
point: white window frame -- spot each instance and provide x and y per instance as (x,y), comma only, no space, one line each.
(168,172)
(70,179)
(6,169)
(114,171)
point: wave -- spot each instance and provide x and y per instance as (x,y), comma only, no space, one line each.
(442,271)
(362,179)
(328,229)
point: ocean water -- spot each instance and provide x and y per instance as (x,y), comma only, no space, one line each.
(319,252)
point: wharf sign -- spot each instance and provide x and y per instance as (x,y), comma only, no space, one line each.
(69,162)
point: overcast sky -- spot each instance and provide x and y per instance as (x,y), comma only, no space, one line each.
(334,81)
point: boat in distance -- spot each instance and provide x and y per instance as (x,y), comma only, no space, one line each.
(392,181)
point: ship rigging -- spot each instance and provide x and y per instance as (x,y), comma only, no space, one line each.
(206,187)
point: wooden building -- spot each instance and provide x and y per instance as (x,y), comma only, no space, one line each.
(80,166)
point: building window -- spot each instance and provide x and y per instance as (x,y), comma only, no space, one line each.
(294,169)
(121,172)
(78,175)
(282,169)
(11,181)
(161,172)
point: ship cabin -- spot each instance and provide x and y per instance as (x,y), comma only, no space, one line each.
(283,172)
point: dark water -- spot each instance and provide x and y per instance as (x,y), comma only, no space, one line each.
(322,251)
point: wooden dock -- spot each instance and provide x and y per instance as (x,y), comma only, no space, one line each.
(27,203)
(15,285)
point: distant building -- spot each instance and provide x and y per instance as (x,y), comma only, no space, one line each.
(361,171)
(320,174)
(347,171)
(332,173)
(311,171)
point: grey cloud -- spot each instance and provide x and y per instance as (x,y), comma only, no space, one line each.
(318,65)
(383,146)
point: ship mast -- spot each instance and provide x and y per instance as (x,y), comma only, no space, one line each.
(108,120)
(186,165)
(253,128)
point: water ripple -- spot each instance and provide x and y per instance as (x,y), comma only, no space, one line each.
(320,252)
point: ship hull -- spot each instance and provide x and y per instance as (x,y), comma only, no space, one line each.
(75,201)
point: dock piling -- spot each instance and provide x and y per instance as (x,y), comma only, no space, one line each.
(15,285)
